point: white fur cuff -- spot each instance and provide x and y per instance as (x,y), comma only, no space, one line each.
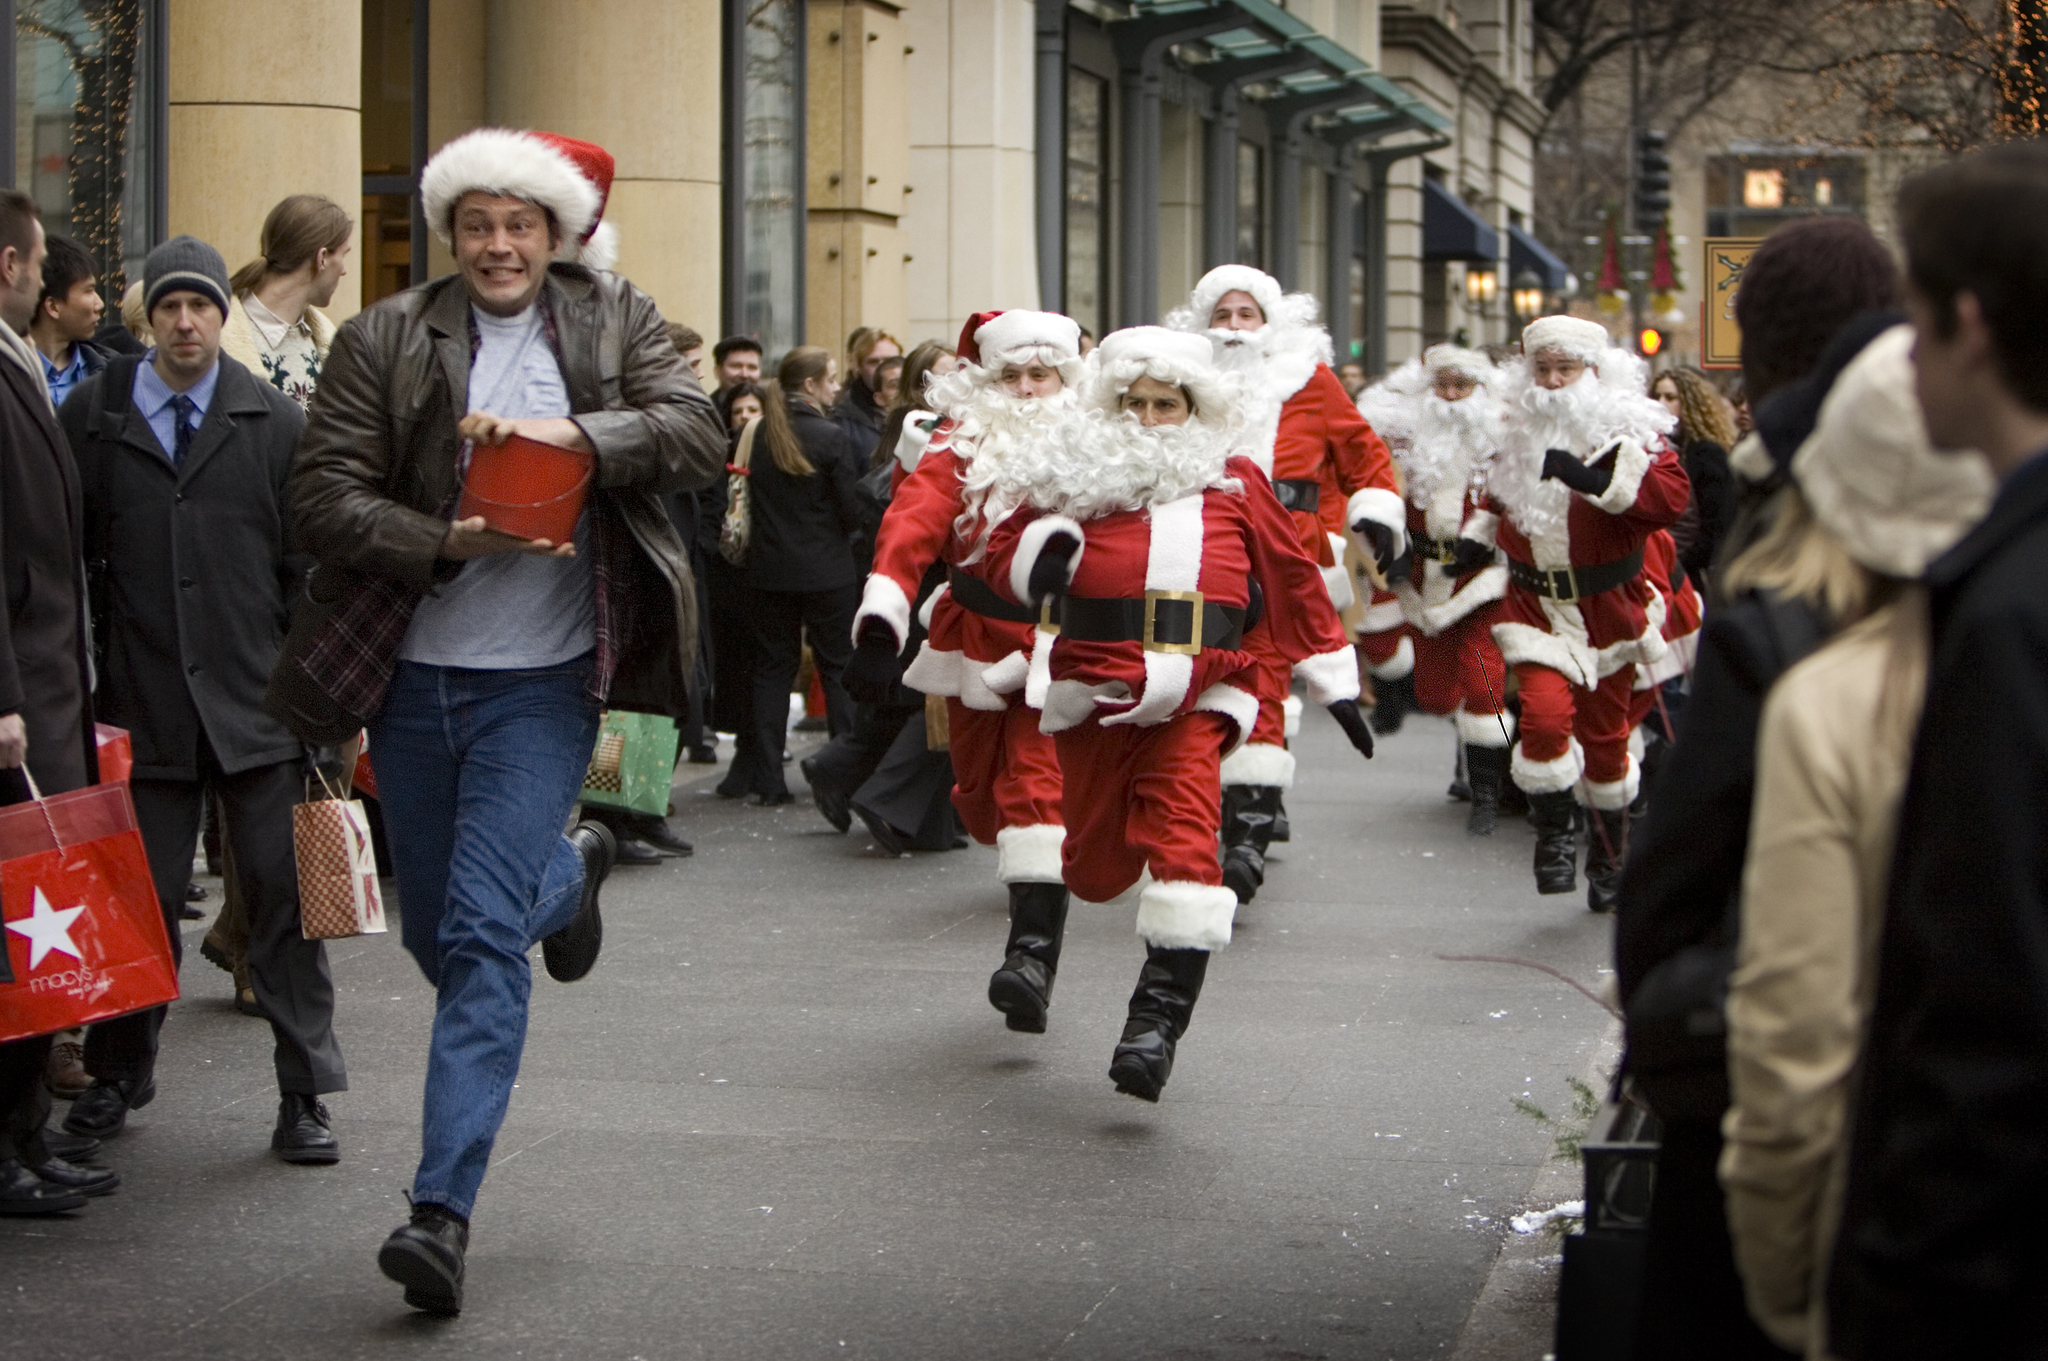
(1398,666)
(1031,543)
(1548,777)
(1259,764)
(1481,526)
(1618,793)
(1631,462)
(1483,587)
(1382,507)
(1290,716)
(1030,855)
(1484,730)
(884,600)
(1183,916)
(1333,675)
(1382,617)
(1239,706)
(1337,582)
(910,445)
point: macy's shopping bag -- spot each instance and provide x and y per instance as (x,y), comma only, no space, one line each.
(85,937)
(338,891)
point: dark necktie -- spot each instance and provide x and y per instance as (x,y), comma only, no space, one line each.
(182,407)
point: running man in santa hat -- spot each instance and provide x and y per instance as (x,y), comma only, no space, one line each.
(480,661)
(1443,417)
(1328,469)
(1170,568)
(954,484)
(1583,479)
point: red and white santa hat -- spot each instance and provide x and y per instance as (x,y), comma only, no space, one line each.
(1456,358)
(1167,356)
(572,179)
(993,339)
(1575,336)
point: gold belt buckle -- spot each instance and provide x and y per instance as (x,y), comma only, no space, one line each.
(1192,648)
(1447,552)
(1046,622)
(1569,577)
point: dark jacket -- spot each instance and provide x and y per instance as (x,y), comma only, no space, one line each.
(43,674)
(861,417)
(1940,1253)
(1712,511)
(376,471)
(193,568)
(801,539)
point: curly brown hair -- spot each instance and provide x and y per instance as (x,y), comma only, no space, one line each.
(1703,413)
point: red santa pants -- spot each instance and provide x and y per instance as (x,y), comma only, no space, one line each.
(1143,797)
(1275,682)
(1461,665)
(1005,771)
(1554,711)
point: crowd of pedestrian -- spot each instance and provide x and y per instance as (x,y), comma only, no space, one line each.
(1770,669)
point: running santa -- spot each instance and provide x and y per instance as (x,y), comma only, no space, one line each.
(953,486)
(1146,536)
(1328,469)
(1584,479)
(1443,417)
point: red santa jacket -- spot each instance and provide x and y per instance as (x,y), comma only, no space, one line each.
(1322,439)
(1590,638)
(1215,543)
(1431,598)
(1683,612)
(977,659)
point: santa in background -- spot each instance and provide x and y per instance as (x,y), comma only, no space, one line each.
(955,482)
(1443,417)
(1328,469)
(1155,547)
(1583,480)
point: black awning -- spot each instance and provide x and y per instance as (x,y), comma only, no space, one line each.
(1526,252)
(1451,231)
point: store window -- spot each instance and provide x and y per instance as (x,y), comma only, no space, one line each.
(1087,222)
(84,122)
(384,231)
(770,305)
(1251,205)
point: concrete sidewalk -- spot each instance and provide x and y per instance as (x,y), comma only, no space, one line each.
(780,1121)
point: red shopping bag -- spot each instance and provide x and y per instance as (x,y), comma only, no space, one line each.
(117,753)
(85,937)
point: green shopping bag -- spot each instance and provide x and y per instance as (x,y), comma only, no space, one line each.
(634,763)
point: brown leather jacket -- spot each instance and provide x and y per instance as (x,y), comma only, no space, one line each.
(376,466)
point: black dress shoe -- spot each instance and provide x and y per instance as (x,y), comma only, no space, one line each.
(70,1147)
(572,951)
(830,798)
(425,1256)
(632,851)
(302,1134)
(87,1181)
(773,800)
(887,837)
(22,1192)
(103,1109)
(703,756)
(656,833)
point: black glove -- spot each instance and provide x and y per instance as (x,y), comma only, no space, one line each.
(1345,711)
(1468,556)
(1591,479)
(1381,540)
(873,673)
(1049,573)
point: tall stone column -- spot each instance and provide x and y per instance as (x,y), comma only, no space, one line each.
(641,79)
(265,101)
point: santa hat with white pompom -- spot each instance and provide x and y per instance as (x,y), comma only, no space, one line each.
(571,179)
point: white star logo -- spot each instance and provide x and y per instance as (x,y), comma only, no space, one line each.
(48,929)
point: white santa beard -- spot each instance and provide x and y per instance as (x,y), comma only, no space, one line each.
(1573,418)
(1450,440)
(1240,352)
(998,438)
(1109,463)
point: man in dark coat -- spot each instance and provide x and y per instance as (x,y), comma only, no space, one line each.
(183,455)
(1939,1255)
(45,723)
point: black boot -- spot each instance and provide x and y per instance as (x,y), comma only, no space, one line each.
(1606,853)
(1485,769)
(1395,701)
(1247,829)
(1161,1008)
(1282,833)
(1557,848)
(1461,783)
(1022,988)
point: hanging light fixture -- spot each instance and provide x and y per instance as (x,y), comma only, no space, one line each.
(1481,286)
(1528,295)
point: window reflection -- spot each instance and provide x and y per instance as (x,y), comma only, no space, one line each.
(1087,197)
(774,103)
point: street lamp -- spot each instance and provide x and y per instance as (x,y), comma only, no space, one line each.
(1480,286)
(1528,295)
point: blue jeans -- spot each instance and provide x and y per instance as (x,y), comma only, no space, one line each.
(477,772)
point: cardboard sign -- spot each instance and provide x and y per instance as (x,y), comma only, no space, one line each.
(1725,257)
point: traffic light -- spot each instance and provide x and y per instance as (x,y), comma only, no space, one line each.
(1653,182)
(1650,341)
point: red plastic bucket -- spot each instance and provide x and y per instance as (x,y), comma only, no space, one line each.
(525,488)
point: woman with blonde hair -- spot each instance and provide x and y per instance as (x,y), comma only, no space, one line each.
(274,326)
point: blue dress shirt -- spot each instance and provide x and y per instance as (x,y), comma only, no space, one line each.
(152,398)
(62,380)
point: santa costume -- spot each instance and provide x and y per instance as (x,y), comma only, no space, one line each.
(1151,545)
(1329,470)
(1449,586)
(952,488)
(1583,479)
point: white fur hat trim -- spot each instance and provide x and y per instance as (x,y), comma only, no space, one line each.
(516,165)
(1574,336)
(1209,290)
(1458,359)
(1011,334)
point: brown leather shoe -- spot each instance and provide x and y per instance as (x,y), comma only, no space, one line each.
(65,1073)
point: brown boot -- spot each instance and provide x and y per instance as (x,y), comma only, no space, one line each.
(64,1074)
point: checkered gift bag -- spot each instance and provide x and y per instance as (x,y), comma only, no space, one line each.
(338,891)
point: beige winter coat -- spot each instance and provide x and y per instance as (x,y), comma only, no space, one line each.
(1831,769)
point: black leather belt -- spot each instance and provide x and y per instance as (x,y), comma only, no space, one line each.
(978,596)
(1164,621)
(1575,583)
(1299,493)
(1427,549)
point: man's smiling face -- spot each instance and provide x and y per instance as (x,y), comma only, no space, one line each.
(502,247)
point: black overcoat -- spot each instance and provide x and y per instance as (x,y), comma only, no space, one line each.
(802,527)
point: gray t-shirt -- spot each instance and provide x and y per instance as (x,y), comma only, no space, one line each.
(511,611)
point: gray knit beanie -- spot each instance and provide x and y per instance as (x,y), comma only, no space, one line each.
(187,263)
